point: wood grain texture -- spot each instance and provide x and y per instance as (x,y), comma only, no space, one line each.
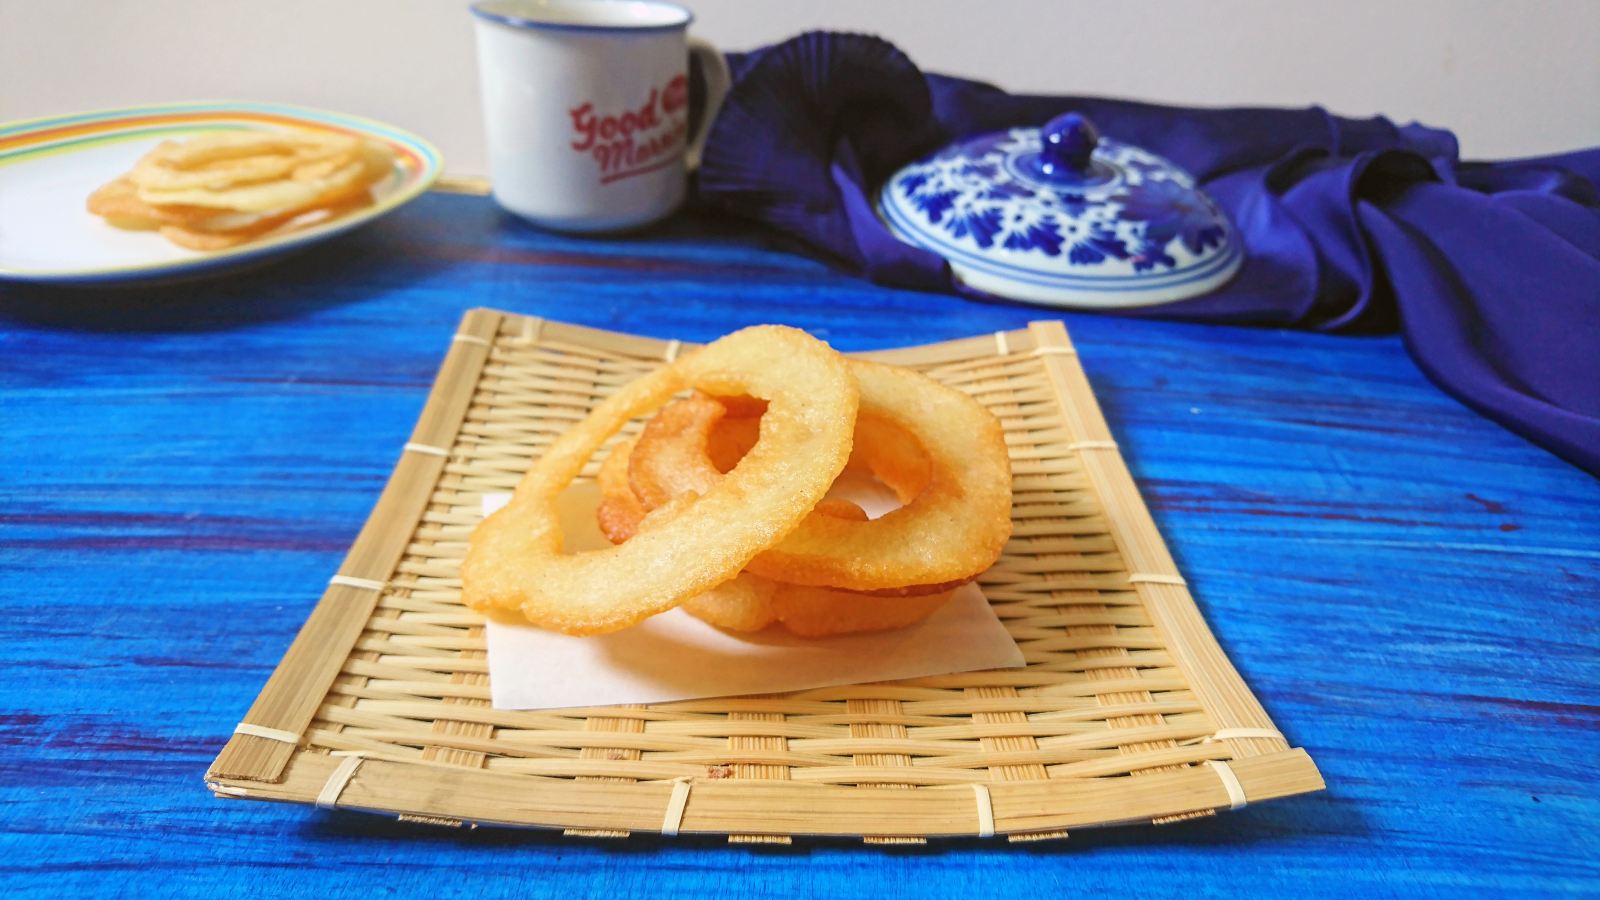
(1410,590)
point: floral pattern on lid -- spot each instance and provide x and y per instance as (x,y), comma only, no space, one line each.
(1063,217)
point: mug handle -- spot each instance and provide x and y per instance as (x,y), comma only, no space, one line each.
(718,80)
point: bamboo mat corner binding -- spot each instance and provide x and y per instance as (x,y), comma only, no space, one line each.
(382,701)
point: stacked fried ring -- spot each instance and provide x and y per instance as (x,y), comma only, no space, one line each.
(223,188)
(722,505)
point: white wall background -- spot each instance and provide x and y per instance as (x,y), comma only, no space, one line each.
(1511,78)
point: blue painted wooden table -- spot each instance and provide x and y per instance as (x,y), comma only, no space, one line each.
(1413,592)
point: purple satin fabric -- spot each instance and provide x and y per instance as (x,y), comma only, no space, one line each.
(1490,270)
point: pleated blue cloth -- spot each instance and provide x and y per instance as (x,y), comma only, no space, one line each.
(1490,270)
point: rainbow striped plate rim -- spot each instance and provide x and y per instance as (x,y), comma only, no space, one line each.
(418,163)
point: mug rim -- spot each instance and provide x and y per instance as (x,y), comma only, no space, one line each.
(684,19)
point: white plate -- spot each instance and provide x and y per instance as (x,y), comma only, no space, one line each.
(48,168)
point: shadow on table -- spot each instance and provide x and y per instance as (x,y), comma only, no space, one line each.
(351,268)
(1300,818)
(399,254)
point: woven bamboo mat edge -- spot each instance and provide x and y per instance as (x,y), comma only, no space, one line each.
(264,760)
(455,796)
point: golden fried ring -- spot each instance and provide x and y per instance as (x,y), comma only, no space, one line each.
(697,431)
(224,158)
(620,513)
(118,202)
(208,238)
(514,558)
(695,439)
(309,185)
(949,532)
(751,603)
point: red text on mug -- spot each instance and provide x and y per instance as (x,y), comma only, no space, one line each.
(634,141)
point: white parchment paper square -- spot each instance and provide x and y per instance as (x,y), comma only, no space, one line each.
(675,656)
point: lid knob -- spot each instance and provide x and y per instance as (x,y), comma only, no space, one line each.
(1069,142)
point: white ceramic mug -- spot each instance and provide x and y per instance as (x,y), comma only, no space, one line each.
(586,107)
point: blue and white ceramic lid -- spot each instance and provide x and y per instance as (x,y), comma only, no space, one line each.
(1063,217)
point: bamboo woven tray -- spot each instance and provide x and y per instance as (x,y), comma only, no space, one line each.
(1127,711)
